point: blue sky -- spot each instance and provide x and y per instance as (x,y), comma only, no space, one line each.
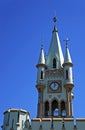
(24,25)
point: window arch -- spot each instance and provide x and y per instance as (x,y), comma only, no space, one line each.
(67,74)
(55,110)
(63,109)
(46,109)
(54,63)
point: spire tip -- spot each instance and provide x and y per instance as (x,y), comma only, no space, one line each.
(41,46)
(54,20)
(67,40)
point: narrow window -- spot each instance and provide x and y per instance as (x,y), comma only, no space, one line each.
(8,118)
(54,63)
(41,77)
(66,74)
(18,117)
(63,109)
(12,123)
(46,109)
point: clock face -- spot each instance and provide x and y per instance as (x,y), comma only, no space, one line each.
(54,86)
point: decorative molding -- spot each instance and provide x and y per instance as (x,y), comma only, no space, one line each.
(54,73)
(40,86)
(68,63)
(16,110)
(40,65)
(80,119)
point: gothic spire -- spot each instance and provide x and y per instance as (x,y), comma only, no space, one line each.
(55,51)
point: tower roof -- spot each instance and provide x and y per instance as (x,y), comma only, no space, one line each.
(42,56)
(67,57)
(55,50)
(15,110)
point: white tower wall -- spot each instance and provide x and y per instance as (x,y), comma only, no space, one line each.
(15,119)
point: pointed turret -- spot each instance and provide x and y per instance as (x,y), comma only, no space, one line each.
(68,66)
(41,57)
(41,65)
(68,79)
(40,81)
(55,56)
(67,57)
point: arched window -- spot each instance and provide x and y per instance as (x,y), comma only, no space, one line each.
(46,109)
(63,109)
(55,110)
(54,63)
(66,74)
(41,76)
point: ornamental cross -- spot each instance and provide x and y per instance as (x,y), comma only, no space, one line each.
(67,40)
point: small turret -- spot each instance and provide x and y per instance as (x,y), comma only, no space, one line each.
(67,58)
(41,66)
(41,57)
(68,76)
(68,79)
(15,119)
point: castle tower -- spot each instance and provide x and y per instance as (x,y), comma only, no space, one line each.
(15,119)
(54,82)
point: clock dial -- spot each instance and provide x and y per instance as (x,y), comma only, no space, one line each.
(54,86)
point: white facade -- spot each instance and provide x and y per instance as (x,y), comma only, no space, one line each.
(15,119)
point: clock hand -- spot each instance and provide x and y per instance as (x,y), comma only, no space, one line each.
(54,85)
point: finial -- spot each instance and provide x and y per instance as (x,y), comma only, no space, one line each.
(42,42)
(67,40)
(54,20)
(41,46)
